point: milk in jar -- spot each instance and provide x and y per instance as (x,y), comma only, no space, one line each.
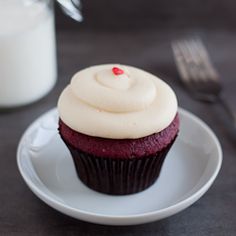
(27,51)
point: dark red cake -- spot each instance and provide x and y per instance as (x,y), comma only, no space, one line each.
(119,166)
(118,122)
(120,148)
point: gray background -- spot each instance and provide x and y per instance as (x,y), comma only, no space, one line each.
(137,33)
(158,14)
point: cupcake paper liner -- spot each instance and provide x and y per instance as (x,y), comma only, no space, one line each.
(118,176)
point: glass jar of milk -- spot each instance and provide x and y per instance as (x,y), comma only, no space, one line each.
(27,51)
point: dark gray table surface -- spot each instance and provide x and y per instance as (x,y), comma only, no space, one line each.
(22,213)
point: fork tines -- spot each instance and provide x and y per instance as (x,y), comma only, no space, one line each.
(193,61)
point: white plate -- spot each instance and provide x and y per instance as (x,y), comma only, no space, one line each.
(189,170)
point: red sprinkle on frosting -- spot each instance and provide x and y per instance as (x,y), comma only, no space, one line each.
(117,71)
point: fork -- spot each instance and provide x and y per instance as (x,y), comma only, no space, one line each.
(198,74)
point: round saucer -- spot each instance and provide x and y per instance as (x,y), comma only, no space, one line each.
(189,170)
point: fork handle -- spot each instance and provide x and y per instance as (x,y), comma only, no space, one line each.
(229,110)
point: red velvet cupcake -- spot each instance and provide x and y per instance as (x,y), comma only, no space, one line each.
(119,123)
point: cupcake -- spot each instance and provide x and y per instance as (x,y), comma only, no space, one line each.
(119,122)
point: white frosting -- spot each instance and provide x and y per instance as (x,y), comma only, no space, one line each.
(131,105)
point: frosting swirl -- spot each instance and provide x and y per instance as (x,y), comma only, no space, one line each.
(132,104)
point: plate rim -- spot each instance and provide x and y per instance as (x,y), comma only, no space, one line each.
(112,219)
